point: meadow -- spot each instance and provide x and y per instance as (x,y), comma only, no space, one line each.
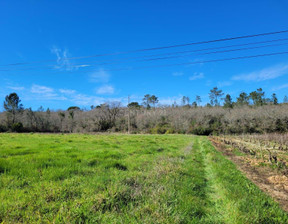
(117,178)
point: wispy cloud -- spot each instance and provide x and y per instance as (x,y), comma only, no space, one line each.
(177,73)
(196,76)
(284,86)
(86,100)
(100,76)
(64,60)
(224,83)
(41,89)
(67,91)
(16,88)
(38,92)
(106,89)
(264,74)
(170,100)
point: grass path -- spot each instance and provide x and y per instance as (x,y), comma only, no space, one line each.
(233,197)
(125,179)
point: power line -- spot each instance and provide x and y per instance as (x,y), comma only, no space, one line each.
(198,62)
(159,58)
(201,62)
(199,50)
(157,48)
(207,53)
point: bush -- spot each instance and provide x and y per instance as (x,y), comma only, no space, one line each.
(17,127)
(201,131)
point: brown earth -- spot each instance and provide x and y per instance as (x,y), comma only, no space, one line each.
(268,180)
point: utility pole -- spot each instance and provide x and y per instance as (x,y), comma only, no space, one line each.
(128,114)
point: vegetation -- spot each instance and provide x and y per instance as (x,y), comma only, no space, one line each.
(250,113)
(125,179)
(269,149)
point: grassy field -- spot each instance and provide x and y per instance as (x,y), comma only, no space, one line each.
(125,179)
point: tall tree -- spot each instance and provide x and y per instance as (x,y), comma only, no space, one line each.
(146,101)
(215,96)
(13,106)
(285,100)
(243,99)
(258,97)
(274,99)
(198,100)
(185,100)
(228,103)
(154,100)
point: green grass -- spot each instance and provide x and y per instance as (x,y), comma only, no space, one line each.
(125,179)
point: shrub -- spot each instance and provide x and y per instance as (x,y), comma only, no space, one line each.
(17,127)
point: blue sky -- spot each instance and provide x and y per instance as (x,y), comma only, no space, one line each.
(53,32)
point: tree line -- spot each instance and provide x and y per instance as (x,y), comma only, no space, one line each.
(249,113)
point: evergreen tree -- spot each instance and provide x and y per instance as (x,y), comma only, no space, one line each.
(274,99)
(243,99)
(228,102)
(13,106)
(215,96)
(258,97)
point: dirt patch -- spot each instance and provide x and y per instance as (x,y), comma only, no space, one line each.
(265,178)
(280,182)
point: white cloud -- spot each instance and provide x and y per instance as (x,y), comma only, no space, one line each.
(107,89)
(196,76)
(16,88)
(170,100)
(284,86)
(63,60)
(177,73)
(100,76)
(264,74)
(86,100)
(41,89)
(81,66)
(44,93)
(67,91)
(224,83)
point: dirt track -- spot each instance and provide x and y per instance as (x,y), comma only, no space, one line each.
(271,182)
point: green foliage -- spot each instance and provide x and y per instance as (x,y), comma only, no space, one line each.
(73,108)
(243,99)
(163,127)
(258,97)
(12,103)
(134,105)
(274,99)
(150,99)
(228,103)
(13,106)
(215,96)
(17,127)
(201,131)
(185,100)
